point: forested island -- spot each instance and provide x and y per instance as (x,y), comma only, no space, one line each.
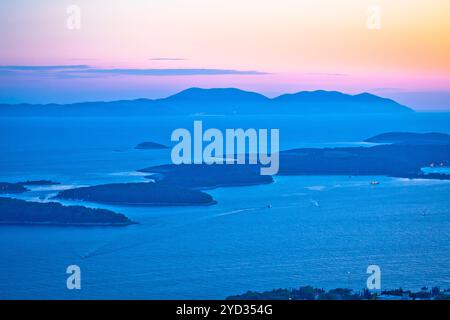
(38,183)
(11,188)
(410,137)
(20,187)
(404,158)
(15,211)
(204,176)
(138,194)
(149,145)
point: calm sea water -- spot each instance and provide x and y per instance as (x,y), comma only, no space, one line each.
(322,231)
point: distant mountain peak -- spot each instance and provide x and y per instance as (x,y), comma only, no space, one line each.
(365,94)
(212,93)
(322,101)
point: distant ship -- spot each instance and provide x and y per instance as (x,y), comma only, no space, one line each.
(374,182)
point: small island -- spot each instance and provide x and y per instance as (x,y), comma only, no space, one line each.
(138,194)
(149,145)
(11,188)
(411,138)
(15,211)
(21,187)
(38,183)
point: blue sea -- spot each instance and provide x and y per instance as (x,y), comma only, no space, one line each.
(322,231)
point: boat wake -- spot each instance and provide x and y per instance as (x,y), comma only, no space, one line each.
(236,212)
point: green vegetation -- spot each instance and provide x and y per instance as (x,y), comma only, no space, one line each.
(10,188)
(138,194)
(204,176)
(15,211)
(404,159)
(38,183)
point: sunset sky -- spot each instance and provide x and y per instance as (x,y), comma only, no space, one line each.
(153,48)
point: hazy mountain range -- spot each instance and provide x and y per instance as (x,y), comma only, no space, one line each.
(196,101)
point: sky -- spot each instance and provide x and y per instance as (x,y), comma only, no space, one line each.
(84,50)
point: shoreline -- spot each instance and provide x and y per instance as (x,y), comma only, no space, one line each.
(60,224)
(132,204)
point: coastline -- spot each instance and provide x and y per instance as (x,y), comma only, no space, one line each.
(134,204)
(60,224)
